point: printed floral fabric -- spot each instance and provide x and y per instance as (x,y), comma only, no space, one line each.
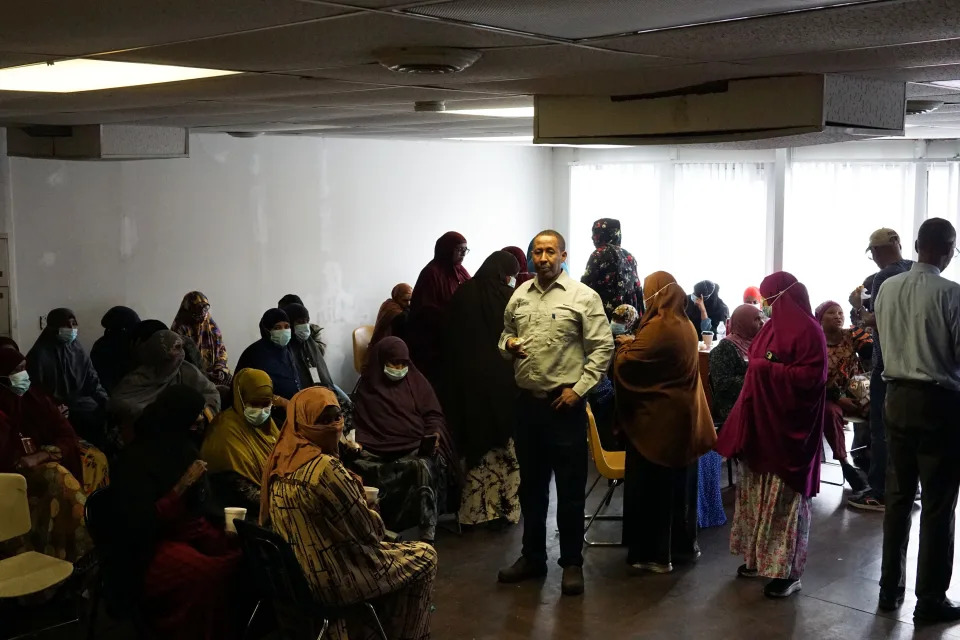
(771,525)
(611,270)
(492,488)
(843,362)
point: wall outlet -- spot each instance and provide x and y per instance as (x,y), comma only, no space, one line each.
(43,322)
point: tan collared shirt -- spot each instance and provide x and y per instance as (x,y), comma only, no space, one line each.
(564,332)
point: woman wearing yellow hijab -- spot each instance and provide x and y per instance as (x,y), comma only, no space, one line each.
(240,440)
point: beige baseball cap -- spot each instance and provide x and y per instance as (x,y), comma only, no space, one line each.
(883,237)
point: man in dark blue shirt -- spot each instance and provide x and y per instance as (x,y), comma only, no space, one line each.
(885,250)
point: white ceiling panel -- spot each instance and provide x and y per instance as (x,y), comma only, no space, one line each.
(941,52)
(918,90)
(403,96)
(8,59)
(917,74)
(55,27)
(578,19)
(346,41)
(872,25)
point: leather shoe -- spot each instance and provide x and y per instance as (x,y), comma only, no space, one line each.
(572,583)
(934,612)
(522,569)
(890,599)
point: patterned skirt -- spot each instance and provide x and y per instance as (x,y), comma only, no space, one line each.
(492,488)
(771,526)
(413,490)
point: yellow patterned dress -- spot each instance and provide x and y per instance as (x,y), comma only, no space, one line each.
(321,511)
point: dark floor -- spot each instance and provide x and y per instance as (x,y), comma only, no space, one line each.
(705,600)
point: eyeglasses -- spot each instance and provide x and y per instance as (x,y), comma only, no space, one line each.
(463,251)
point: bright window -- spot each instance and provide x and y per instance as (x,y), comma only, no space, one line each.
(943,201)
(830,210)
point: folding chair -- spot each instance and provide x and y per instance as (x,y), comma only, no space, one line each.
(610,465)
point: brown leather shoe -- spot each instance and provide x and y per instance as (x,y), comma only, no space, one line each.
(522,569)
(572,583)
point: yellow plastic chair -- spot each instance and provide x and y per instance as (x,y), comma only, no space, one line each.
(29,572)
(361,342)
(610,465)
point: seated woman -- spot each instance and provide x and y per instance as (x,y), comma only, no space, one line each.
(272,354)
(319,507)
(845,348)
(316,331)
(37,442)
(112,354)
(602,398)
(705,308)
(395,408)
(194,320)
(145,330)
(169,554)
(162,365)
(240,440)
(393,314)
(60,365)
(751,295)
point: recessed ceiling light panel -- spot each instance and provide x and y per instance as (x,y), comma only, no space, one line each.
(80,74)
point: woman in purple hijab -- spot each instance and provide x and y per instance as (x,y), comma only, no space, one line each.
(776,430)
(396,410)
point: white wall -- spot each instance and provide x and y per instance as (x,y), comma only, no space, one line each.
(245,221)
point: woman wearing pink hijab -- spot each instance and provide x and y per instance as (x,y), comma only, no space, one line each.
(776,430)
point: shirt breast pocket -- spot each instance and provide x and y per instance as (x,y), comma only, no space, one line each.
(522,323)
(566,324)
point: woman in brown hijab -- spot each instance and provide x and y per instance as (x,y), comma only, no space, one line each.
(392,317)
(320,508)
(662,408)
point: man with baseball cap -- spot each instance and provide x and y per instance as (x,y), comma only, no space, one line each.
(885,250)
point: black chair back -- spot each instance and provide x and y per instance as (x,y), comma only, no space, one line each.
(280,580)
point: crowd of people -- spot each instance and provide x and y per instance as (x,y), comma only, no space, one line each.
(475,391)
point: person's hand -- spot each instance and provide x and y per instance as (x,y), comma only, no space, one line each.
(280,402)
(515,347)
(436,445)
(703,307)
(34,460)
(856,298)
(190,477)
(567,399)
(849,406)
(626,338)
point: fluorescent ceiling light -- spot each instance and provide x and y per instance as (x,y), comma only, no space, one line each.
(950,84)
(523,139)
(68,76)
(503,112)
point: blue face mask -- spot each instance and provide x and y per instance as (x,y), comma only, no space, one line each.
(396,374)
(618,328)
(67,334)
(256,416)
(302,331)
(19,382)
(513,283)
(280,337)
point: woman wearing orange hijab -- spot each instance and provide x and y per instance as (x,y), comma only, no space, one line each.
(319,507)
(662,408)
(392,317)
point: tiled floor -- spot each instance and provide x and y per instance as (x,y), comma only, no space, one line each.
(705,600)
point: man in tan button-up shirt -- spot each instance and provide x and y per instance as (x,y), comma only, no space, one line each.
(556,331)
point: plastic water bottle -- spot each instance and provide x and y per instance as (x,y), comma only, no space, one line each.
(721,332)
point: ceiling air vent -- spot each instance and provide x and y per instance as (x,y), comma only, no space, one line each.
(426,60)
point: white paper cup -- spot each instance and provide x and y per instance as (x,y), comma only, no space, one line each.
(707,338)
(231,514)
(371,494)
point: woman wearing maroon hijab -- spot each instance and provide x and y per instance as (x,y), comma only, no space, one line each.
(435,287)
(776,429)
(521,257)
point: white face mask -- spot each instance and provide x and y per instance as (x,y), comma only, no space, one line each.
(280,337)
(302,331)
(256,416)
(513,283)
(396,374)
(19,382)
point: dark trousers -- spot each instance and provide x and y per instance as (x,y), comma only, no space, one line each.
(877,475)
(659,510)
(553,443)
(923,438)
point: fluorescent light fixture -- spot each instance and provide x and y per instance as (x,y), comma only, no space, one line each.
(950,84)
(503,112)
(521,139)
(69,76)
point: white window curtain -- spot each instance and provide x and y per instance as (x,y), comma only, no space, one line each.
(627,192)
(943,201)
(718,227)
(830,210)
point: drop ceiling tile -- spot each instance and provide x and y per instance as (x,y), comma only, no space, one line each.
(919,90)
(404,96)
(917,74)
(843,28)
(8,59)
(617,83)
(941,52)
(193,109)
(282,115)
(346,41)
(510,63)
(376,4)
(55,27)
(577,19)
